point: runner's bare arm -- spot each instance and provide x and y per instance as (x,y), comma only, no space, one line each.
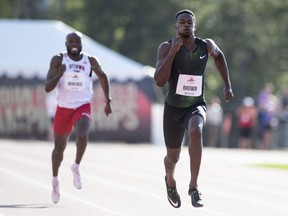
(104,82)
(55,72)
(165,57)
(221,65)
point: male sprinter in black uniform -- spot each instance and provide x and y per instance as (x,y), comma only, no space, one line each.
(181,62)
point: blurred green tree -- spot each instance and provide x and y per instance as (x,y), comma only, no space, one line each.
(252,33)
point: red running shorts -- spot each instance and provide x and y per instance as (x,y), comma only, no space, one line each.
(66,118)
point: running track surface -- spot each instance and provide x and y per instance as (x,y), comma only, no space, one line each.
(128,180)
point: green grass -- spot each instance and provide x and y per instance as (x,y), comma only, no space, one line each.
(274,166)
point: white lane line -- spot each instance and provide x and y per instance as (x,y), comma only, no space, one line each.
(157,196)
(31,162)
(233,183)
(221,193)
(41,185)
(249,199)
(147,193)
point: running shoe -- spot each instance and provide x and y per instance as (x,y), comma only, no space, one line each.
(55,195)
(172,195)
(196,197)
(76,176)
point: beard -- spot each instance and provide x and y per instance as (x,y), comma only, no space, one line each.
(186,36)
(74,53)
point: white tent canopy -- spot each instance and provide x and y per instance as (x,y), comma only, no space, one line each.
(28,46)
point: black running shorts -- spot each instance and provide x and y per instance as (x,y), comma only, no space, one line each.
(175,121)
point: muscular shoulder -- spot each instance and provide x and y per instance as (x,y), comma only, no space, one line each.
(93,61)
(165,45)
(57,59)
(95,65)
(164,48)
(212,48)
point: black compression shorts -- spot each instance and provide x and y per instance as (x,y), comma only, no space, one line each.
(175,121)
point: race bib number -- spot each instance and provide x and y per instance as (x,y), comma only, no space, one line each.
(74,81)
(189,85)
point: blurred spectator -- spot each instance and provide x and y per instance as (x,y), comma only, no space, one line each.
(214,122)
(283,119)
(226,130)
(247,116)
(51,105)
(267,105)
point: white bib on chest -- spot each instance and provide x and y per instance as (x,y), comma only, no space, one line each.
(74,81)
(189,85)
(75,86)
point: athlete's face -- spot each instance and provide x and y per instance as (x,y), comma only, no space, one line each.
(185,25)
(73,44)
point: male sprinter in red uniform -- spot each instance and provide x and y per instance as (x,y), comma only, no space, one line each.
(71,73)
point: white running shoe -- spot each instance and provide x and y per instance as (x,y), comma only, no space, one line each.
(76,176)
(55,195)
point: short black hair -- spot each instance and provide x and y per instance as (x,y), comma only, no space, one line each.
(185,11)
(76,33)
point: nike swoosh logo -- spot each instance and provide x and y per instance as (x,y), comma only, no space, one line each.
(202,57)
(86,114)
(195,111)
(175,204)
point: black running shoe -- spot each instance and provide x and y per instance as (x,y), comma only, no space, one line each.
(196,199)
(172,195)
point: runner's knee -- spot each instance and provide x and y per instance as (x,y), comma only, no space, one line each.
(173,157)
(195,132)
